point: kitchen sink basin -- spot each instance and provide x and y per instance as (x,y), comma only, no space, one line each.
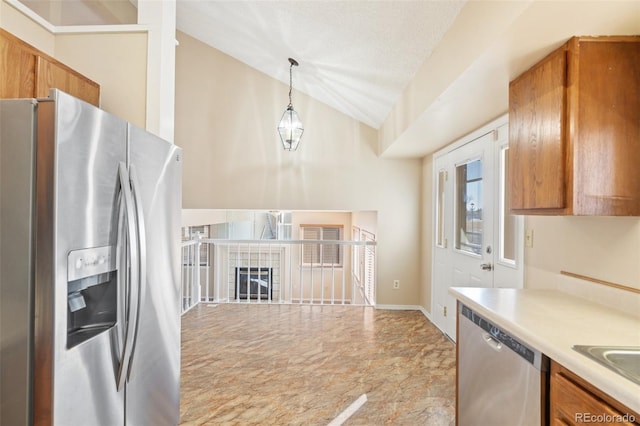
(624,360)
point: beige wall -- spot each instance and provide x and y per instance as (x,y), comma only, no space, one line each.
(464,83)
(226,118)
(365,221)
(197,217)
(299,218)
(116,61)
(443,67)
(601,247)
(604,248)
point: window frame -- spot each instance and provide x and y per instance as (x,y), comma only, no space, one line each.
(461,196)
(339,248)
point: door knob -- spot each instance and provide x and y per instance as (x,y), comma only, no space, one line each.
(486,267)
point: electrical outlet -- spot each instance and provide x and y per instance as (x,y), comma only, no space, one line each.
(396,284)
(528,238)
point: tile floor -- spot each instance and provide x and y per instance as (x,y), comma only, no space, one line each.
(304,365)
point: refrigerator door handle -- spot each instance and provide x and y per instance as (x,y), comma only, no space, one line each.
(132,296)
(142,258)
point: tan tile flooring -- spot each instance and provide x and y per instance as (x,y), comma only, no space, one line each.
(304,365)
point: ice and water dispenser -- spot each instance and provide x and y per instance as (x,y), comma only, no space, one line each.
(92,293)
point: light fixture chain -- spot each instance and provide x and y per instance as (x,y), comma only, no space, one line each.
(290,82)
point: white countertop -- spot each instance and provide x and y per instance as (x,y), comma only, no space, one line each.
(552,322)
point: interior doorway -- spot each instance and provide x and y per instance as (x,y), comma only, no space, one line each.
(477,243)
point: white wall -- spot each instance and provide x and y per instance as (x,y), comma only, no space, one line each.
(426,232)
(22,27)
(226,118)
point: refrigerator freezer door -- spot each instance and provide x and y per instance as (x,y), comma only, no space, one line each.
(17,185)
(89,144)
(153,389)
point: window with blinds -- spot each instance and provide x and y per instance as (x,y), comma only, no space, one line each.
(320,253)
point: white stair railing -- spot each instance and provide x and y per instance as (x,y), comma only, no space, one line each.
(278,271)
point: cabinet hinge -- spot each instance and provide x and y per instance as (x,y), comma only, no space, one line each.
(445,311)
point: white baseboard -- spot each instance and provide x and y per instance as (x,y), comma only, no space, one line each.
(398,307)
(425,313)
(410,308)
(406,308)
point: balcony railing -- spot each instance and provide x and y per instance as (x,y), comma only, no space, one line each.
(278,271)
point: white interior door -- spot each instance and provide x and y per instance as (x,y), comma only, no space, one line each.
(476,243)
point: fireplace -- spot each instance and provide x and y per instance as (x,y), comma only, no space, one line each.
(254,283)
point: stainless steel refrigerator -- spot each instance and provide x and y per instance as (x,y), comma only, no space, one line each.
(89,258)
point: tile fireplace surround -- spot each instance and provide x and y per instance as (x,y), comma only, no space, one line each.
(249,257)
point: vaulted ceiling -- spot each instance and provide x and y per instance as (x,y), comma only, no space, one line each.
(423,72)
(357,56)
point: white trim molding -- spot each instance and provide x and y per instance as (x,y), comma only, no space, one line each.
(398,307)
(75,29)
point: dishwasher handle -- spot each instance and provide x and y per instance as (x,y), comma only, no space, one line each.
(494,343)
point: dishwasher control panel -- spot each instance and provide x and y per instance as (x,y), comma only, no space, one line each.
(499,334)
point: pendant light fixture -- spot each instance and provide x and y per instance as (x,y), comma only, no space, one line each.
(290,127)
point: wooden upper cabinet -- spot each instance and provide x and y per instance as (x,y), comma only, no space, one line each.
(17,70)
(26,72)
(50,74)
(574,130)
(537,100)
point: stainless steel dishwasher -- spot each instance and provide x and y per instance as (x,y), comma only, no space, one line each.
(501,381)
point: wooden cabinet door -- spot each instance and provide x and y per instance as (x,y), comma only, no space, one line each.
(17,68)
(573,401)
(574,137)
(537,154)
(570,404)
(51,74)
(607,131)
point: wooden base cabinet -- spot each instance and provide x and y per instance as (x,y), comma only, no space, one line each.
(573,401)
(26,72)
(574,130)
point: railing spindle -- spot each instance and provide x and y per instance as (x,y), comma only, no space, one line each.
(230,258)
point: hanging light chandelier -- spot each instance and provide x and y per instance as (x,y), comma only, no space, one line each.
(290,127)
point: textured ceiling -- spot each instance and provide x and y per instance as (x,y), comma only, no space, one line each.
(355,56)
(359,56)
